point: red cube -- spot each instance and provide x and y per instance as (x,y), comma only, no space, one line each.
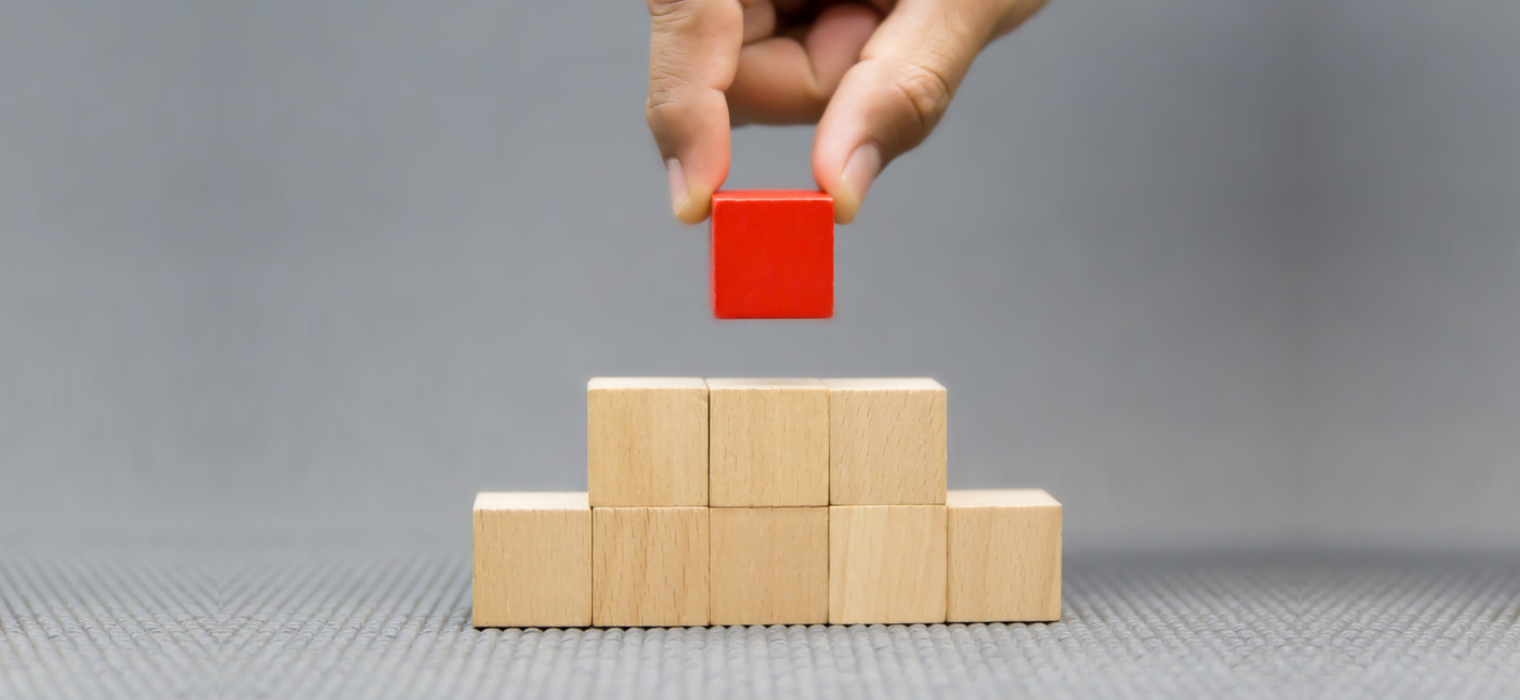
(772,254)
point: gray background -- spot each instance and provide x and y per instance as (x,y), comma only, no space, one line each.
(1214,272)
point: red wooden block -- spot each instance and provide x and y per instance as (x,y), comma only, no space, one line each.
(772,254)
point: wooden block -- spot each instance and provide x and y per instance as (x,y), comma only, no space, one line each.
(532,560)
(1004,556)
(772,254)
(769,442)
(646,441)
(770,566)
(649,567)
(886,441)
(886,564)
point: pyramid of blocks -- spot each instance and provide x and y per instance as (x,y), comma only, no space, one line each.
(765,501)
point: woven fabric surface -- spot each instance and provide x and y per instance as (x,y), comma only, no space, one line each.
(334,623)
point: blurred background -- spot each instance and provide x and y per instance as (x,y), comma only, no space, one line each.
(1216,273)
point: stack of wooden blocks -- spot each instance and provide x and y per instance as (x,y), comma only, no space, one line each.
(765,501)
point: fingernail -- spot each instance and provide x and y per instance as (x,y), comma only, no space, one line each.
(861,170)
(678,195)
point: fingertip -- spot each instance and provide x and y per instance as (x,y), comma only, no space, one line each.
(847,200)
(845,210)
(689,201)
(693,208)
(854,182)
(846,168)
(695,142)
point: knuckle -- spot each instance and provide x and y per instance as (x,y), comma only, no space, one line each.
(666,86)
(665,8)
(674,22)
(927,93)
(658,107)
(673,103)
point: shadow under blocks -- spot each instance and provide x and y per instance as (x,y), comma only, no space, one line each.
(765,502)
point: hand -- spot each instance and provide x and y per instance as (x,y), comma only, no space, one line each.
(875,78)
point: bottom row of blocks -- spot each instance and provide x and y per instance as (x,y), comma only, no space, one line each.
(550,560)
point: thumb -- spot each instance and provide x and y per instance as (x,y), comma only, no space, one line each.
(890,101)
(693,54)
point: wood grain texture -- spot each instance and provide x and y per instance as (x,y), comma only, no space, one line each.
(646,441)
(770,566)
(1004,556)
(532,554)
(650,567)
(886,564)
(887,441)
(769,442)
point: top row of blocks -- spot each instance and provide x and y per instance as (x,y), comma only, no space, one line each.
(679,441)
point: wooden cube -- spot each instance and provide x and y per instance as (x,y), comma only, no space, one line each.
(769,442)
(649,567)
(887,441)
(1004,556)
(772,254)
(770,566)
(646,441)
(532,560)
(886,564)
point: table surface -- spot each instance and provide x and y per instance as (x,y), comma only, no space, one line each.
(375,622)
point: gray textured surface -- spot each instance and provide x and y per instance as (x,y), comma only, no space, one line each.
(357,622)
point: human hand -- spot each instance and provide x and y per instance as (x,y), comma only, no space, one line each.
(875,78)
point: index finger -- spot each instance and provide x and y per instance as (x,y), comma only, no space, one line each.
(693,54)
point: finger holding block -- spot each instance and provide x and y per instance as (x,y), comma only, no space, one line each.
(650,567)
(646,441)
(532,556)
(886,564)
(769,442)
(1004,556)
(887,441)
(770,566)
